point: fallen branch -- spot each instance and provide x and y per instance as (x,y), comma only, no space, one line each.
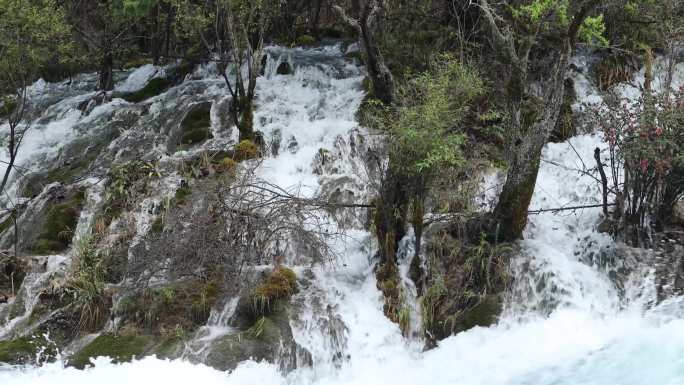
(569,208)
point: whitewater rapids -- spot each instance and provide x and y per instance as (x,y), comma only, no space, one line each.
(575,329)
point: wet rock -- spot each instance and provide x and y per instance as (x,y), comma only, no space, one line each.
(24,350)
(196,126)
(284,69)
(269,339)
(153,88)
(119,348)
(263,322)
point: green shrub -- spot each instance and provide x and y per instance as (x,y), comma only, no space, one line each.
(305,41)
(245,150)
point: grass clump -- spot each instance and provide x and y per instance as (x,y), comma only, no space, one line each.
(59,225)
(119,348)
(280,284)
(181,306)
(245,150)
(87,285)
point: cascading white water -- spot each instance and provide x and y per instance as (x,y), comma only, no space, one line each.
(566,322)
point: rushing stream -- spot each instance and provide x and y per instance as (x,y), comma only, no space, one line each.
(566,321)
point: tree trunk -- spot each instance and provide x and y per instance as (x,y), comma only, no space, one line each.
(390,215)
(534,132)
(107,72)
(246,118)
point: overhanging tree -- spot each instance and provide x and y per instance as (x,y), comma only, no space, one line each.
(533,111)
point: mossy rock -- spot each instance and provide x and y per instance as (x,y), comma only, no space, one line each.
(305,41)
(119,348)
(484,313)
(284,68)
(245,150)
(196,126)
(183,306)
(79,157)
(279,284)
(270,296)
(268,338)
(169,348)
(60,225)
(153,88)
(24,350)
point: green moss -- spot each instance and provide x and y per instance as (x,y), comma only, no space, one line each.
(119,348)
(169,347)
(59,225)
(280,284)
(226,165)
(181,306)
(25,349)
(246,149)
(153,88)
(305,40)
(484,313)
(195,127)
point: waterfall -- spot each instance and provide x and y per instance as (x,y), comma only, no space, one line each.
(569,318)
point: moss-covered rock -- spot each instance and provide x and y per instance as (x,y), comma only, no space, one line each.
(119,348)
(196,126)
(264,333)
(76,161)
(465,280)
(179,306)
(153,88)
(305,41)
(28,349)
(279,285)
(59,226)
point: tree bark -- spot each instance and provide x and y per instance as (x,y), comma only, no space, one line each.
(530,131)
(106,72)
(380,76)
